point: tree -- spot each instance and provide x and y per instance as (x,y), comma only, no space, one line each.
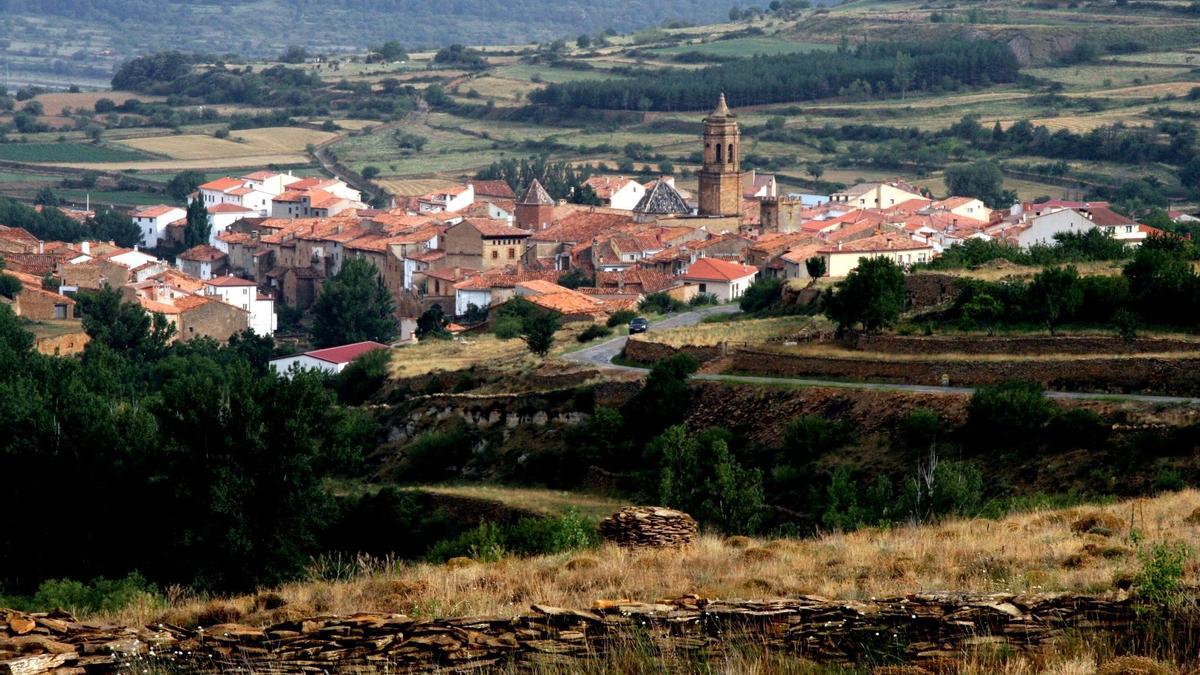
(109,225)
(198,229)
(583,41)
(1055,294)
(816,267)
(354,306)
(123,327)
(664,397)
(815,170)
(370,172)
(392,51)
(872,295)
(761,295)
(983,310)
(702,477)
(574,278)
(432,324)
(183,184)
(294,54)
(981,179)
(904,73)
(10,286)
(46,197)
(538,331)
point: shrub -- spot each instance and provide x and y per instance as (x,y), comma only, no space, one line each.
(702,477)
(435,455)
(660,303)
(621,317)
(485,543)
(101,595)
(363,377)
(592,332)
(762,295)
(1013,410)
(1078,428)
(541,536)
(918,430)
(507,327)
(704,299)
(810,436)
(1159,582)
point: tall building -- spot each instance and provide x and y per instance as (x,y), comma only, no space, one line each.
(721,175)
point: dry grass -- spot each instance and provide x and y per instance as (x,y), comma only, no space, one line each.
(459,354)
(1029,552)
(160,165)
(54,103)
(749,330)
(548,502)
(240,144)
(411,187)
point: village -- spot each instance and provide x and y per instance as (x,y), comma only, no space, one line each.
(275,238)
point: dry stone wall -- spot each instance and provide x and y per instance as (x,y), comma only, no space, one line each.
(916,628)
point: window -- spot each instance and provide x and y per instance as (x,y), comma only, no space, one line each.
(495,254)
(512,253)
(719,160)
(703,288)
(729,155)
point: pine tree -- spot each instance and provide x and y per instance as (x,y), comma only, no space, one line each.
(354,306)
(198,230)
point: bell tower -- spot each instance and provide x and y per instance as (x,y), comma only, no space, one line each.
(721,175)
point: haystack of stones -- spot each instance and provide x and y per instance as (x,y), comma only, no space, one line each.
(649,527)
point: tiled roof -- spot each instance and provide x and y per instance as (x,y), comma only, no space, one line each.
(202,253)
(536,195)
(228,281)
(605,186)
(495,228)
(154,211)
(584,225)
(663,199)
(713,269)
(881,242)
(1106,217)
(493,188)
(345,353)
(230,208)
(223,184)
(567,301)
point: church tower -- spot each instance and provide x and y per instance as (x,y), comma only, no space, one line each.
(721,175)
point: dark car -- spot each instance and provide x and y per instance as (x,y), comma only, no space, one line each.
(638,325)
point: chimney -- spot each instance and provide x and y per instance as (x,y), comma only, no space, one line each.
(839,246)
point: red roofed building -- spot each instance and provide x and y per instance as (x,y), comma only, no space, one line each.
(724,279)
(843,257)
(202,261)
(331,360)
(480,244)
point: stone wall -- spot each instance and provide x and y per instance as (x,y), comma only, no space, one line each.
(644,352)
(1024,344)
(1147,375)
(62,345)
(923,629)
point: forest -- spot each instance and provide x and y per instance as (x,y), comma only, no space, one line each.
(898,68)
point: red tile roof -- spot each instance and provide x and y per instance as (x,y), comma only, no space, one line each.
(495,228)
(230,208)
(202,253)
(229,280)
(494,188)
(223,184)
(154,211)
(345,353)
(881,242)
(713,269)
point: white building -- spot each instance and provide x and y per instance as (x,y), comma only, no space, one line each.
(617,192)
(1041,229)
(449,200)
(221,216)
(244,294)
(843,258)
(332,360)
(724,279)
(152,221)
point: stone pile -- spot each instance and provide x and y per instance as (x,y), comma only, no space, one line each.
(649,527)
(920,629)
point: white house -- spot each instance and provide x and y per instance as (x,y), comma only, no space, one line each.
(221,216)
(131,259)
(1041,229)
(331,360)
(881,195)
(152,221)
(724,279)
(843,258)
(449,200)
(244,294)
(617,192)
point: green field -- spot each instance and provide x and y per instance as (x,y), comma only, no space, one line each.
(67,152)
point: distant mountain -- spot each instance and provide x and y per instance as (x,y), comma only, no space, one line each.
(265,27)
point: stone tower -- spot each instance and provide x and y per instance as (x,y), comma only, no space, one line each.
(535,211)
(721,175)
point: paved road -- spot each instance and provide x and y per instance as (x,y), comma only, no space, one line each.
(601,356)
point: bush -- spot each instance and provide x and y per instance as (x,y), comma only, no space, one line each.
(1013,410)
(101,595)
(435,455)
(621,317)
(704,299)
(660,303)
(918,430)
(484,543)
(545,536)
(810,436)
(507,327)
(1079,428)
(762,295)
(592,332)
(1159,582)
(363,377)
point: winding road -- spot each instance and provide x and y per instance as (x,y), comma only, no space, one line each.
(602,355)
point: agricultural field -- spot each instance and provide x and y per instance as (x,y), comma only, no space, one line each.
(56,103)
(83,153)
(747,46)
(241,145)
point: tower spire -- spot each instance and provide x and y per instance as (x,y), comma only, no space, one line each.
(722,109)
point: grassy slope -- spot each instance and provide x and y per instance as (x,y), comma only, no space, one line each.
(1039,551)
